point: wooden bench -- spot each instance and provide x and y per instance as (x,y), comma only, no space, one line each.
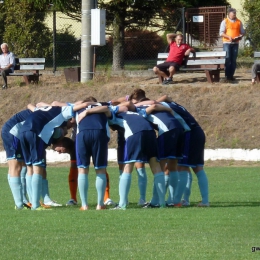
(257,55)
(211,62)
(28,68)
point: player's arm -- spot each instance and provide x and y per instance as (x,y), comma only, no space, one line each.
(94,110)
(164,98)
(120,100)
(43,104)
(31,107)
(158,107)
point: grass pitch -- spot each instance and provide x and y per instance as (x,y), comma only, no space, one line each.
(227,230)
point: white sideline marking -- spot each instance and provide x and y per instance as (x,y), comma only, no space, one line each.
(210,154)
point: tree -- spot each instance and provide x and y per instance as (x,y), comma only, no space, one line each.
(128,14)
(251,15)
(25,31)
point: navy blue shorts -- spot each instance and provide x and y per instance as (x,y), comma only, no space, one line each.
(171,144)
(12,146)
(165,66)
(33,149)
(139,147)
(92,143)
(193,150)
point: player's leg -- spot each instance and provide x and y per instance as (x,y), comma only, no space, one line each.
(23,183)
(73,183)
(83,154)
(142,182)
(47,201)
(125,184)
(15,182)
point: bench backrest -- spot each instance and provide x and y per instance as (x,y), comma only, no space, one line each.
(257,55)
(29,63)
(202,59)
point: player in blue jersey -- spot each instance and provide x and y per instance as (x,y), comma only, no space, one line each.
(170,142)
(193,153)
(38,132)
(14,156)
(92,141)
(137,144)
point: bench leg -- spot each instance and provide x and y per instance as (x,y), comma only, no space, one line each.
(258,77)
(213,75)
(31,79)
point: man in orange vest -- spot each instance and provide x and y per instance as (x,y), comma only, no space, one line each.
(232,31)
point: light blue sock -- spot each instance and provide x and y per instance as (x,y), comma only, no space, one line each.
(187,191)
(173,184)
(101,182)
(142,182)
(155,199)
(8,178)
(203,186)
(28,179)
(83,188)
(16,188)
(124,188)
(183,178)
(23,182)
(36,190)
(160,186)
(45,191)
(166,180)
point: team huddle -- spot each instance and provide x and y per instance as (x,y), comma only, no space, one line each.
(159,132)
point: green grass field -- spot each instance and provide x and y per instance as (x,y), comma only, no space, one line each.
(226,230)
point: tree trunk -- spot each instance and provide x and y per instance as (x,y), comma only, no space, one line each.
(118,44)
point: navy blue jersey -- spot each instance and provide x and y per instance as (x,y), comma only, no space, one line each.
(14,124)
(93,122)
(180,110)
(45,119)
(129,123)
(164,120)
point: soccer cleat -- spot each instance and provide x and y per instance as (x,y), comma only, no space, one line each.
(109,202)
(185,203)
(169,205)
(177,205)
(100,207)
(52,203)
(41,208)
(22,208)
(142,202)
(117,207)
(72,202)
(203,204)
(27,205)
(83,208)
(149,205)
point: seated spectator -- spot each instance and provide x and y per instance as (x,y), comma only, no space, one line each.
(178,50)
(255,68)
(7,63)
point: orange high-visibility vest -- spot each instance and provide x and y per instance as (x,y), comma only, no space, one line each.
(232,29)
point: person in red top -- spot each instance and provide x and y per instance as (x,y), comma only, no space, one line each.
(178,50)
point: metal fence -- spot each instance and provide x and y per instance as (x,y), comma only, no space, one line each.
(140,47)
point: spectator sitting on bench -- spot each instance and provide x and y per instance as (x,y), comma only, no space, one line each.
(255,69)
(175,59)
(7,63)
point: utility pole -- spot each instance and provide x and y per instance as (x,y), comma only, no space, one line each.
(87,51)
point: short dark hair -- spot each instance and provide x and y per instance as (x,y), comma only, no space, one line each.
(90,99)
(137,94)
(231,10)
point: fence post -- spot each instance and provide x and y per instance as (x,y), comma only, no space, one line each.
(183,24)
